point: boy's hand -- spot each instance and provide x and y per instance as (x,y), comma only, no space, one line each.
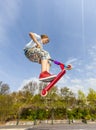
(38,46)
(35,40)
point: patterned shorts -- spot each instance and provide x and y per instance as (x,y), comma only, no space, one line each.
(37,54)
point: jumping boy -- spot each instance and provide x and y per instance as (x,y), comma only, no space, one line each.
(34,52)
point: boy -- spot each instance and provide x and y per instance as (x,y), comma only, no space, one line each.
(34,52)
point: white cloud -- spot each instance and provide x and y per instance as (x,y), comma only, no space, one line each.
(26,81)
(78,84)
(76,81)
(91,82)
(76,63)
(71,60)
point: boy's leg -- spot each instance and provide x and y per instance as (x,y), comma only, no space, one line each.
(45,75)
(48,66)
(45,66)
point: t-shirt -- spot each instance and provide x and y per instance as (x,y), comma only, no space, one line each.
(32,43)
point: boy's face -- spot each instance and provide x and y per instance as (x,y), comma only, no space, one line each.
(45,40)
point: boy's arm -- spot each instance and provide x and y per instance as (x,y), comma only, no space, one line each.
(34,39)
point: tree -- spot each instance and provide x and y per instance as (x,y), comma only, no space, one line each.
(81,99)
(68,97)
(6,104)
(31,87)
(91,98)
(4,88)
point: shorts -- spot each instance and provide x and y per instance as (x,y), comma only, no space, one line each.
(37,54)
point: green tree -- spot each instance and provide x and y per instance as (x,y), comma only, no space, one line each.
(5,107)
(4,88)
(68,97)
(82,100)
(91,99)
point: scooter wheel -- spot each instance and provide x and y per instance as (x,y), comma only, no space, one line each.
(43,93)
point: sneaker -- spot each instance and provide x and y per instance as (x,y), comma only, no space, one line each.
(45,76)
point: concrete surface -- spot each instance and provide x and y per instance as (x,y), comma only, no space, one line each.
(80,126)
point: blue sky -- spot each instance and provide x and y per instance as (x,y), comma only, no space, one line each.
(71,26)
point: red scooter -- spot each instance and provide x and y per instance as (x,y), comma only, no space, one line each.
(55,80)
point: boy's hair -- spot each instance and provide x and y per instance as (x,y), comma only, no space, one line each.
(44,36)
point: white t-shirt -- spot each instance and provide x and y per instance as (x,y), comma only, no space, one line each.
(32,43)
